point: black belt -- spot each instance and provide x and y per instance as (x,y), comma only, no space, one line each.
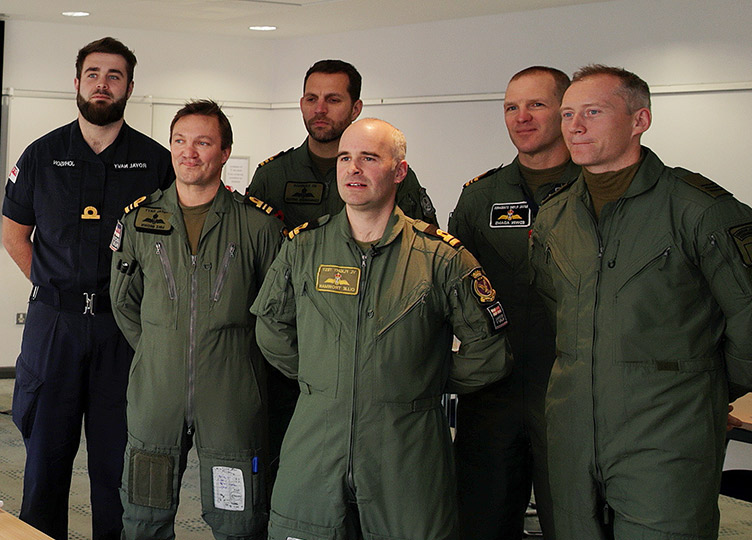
(84,303)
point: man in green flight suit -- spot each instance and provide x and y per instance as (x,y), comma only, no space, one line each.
(500,446)
(647,269)
(188,264)
(360,308)
(301,182)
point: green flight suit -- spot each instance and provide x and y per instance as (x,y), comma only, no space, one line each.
(653,308)
(291,182)
(197,370)
(368,337)
(500,445)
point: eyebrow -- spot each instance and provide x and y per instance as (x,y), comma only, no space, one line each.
(96,68)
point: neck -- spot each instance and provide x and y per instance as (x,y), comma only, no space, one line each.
(627,159)
(192,195)
(323,150)
(99,137)
(368,225)
(545,159)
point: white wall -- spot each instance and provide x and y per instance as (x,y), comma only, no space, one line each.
(667,42)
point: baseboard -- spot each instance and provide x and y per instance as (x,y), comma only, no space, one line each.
(7,373)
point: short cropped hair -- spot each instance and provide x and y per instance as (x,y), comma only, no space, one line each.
(206,107)
(355,81)
(106,45)
(635,91)
(561,79)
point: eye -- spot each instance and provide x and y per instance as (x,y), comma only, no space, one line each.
(592,112)
(92,75)
(114,77)
(567,115)
(537,105)
(344,158)
(177,141)
(510,108)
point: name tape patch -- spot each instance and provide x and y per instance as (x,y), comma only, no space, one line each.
(513,214)
(338,279)
(153,220)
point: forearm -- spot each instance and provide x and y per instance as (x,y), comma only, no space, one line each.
(17,242)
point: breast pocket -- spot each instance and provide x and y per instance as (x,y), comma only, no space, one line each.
(566,281)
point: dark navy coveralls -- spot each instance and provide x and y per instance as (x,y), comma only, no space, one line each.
(74,361)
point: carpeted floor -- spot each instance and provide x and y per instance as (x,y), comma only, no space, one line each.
(736,515)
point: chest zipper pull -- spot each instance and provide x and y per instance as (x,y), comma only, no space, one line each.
(664,255)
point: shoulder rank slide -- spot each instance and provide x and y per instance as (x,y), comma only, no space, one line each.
(308,226)
(153,220)
(433,230)
(704,184)
(275,156)
(266,208)
(482,176)
(134,204)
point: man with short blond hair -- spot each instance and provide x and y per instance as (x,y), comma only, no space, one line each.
(360,309)
(647,271)
(501,431)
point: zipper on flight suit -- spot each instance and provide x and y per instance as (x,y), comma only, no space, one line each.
(166,270)
(222,275)
(193,316)
(350,478)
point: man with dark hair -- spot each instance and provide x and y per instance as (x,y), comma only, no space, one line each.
(501,432)
(647,272)
(301,183)
(189,262)
(360,309)
(69,188)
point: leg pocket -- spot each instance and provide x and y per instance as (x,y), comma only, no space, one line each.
(25,398)
(232,488)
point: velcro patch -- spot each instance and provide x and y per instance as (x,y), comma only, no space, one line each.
(229,489)
(482,287)
(117,237)
(498,317)
(742,235)
(338,279)
(508,215)
(150,479)
(304,192)
(704,184)
(153,220)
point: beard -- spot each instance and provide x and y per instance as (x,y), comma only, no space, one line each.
(331,133)
(101,114)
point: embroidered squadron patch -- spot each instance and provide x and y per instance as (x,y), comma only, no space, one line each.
(304,192)
(338,279)
(153,220)
(482,287)
(117,237)
(498,317)
(426,204)
(508,215)
(742,235)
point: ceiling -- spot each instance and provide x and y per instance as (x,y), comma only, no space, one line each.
(292,17)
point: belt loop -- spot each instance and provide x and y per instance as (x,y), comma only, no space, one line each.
(91,302)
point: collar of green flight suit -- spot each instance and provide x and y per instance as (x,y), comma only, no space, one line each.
(394,226)
(220,205)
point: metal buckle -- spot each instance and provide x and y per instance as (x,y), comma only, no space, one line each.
(90,303)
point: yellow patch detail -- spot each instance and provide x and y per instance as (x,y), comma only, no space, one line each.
(338,279)
(90,212)
(448,238)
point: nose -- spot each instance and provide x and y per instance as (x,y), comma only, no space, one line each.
(352,168)
(523,115)
(320,107)
(574,124)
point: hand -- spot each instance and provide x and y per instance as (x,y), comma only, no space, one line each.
(732,421)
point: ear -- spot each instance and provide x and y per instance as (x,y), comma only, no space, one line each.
(226,154)
(357,107)
(76,83)
(130,90)
(401,172)
(641,121)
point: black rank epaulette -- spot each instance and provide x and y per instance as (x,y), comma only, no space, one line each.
(308,226)
(433,230)
(557,190)
(134,204)
(275,156)
(705,185)
(263,207)
(482,176)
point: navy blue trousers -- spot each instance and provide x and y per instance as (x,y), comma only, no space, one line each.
(73,370)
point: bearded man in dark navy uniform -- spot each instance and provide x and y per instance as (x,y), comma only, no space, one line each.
(69,189)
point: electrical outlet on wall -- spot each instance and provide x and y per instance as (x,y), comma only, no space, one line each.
(20,318)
